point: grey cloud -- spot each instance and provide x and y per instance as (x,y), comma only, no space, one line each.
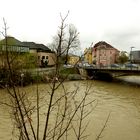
(123,40)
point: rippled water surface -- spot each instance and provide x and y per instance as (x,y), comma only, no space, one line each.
(122,101)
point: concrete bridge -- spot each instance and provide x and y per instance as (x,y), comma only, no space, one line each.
(107,73)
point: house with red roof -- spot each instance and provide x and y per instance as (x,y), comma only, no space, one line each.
(103,54)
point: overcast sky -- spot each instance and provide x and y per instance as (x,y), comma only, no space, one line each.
(115,21)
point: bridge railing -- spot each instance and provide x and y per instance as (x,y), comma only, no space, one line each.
(113,68)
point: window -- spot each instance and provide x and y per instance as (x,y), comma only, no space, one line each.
(43,57)
(46,57)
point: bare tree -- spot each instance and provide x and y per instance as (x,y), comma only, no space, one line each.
(103,128)
(60,110)
(61,34)
(66,39)
(17,100)
(72,40)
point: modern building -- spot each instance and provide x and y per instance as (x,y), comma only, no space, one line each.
(136,56)
(13,47)
(45,56)
(103,54)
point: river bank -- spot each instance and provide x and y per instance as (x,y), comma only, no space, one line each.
(70,74)
(25,78)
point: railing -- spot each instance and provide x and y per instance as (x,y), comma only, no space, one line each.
(112,68)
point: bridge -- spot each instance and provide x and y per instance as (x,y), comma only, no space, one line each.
(107,73)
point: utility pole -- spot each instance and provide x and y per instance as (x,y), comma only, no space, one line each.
(131,54)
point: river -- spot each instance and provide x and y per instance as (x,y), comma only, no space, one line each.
(122,101)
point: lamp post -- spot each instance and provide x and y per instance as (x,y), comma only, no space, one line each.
(131,54)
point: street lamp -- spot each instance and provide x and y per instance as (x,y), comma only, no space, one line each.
(131,54)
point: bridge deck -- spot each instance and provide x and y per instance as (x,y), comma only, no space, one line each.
(128,71)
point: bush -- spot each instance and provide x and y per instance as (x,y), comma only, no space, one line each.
(69,71)
(4,74)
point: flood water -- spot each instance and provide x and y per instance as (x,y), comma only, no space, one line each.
(122,101)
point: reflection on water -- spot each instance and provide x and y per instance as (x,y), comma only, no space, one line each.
(122,101)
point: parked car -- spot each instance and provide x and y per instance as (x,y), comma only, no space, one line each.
(67,66)
(86,65)
(115,66)
(130,65)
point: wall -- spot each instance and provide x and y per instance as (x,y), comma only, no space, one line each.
(73,60)
(33,51)
(136,56)
(51,57)
(105,56)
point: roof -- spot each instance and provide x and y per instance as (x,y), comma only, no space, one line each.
(103,43)
(38,47)
(11,41)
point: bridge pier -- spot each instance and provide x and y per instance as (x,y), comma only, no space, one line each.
(95,74)
(99,75)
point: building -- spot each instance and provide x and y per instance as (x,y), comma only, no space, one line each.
(14,48)
(73,59)
(136,56)
(103,54)
(88,55)
(13,45)
(45,56)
